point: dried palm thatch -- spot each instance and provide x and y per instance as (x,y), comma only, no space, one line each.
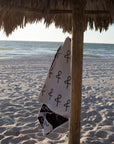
(14,13)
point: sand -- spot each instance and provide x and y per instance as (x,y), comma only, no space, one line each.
(20,83)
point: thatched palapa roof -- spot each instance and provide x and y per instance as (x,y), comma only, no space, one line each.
(14,13)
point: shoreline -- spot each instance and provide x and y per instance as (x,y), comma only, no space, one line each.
(20,83)
(52,56)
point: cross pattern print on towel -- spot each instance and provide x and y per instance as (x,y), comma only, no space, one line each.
(55,95)
(51,93)
(68,81)
(67,104)
(58,99)
(58,76)
(67,56)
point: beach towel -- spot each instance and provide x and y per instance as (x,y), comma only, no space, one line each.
(55,95)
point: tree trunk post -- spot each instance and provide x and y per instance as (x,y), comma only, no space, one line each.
(76,71)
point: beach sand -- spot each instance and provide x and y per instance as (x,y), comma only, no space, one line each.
(21,81)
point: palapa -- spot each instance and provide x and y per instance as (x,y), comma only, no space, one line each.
(14,13)
(72,16)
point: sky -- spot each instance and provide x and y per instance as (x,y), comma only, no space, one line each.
(38,32)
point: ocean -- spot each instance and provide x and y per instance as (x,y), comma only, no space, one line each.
(22,49)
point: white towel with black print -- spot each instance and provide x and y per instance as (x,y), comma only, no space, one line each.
(55,95)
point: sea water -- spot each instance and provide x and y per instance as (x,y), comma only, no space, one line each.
(19,49)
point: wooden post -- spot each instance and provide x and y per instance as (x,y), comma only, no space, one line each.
(76,71)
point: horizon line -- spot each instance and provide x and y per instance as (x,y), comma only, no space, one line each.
(55,41)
